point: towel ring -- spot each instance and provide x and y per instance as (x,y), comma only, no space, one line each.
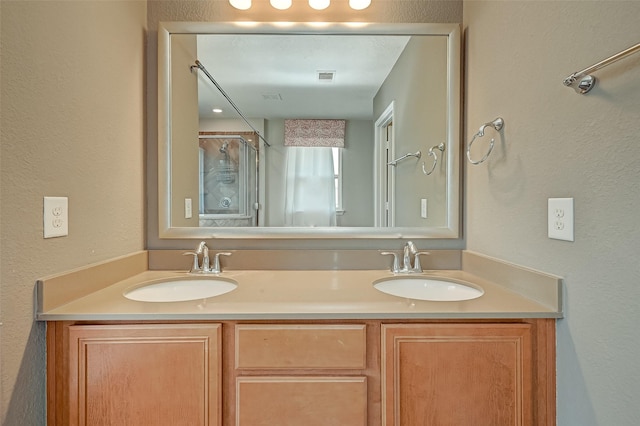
(497,124)
(431,153)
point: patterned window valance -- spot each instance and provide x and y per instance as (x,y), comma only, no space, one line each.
(329,133)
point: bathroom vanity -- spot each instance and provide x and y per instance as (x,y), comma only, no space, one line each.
(369,372)
(299,347)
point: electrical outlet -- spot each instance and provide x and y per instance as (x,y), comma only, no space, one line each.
(560,219)
(55,217)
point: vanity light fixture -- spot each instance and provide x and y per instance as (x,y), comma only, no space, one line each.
(319,4)
(281,4)
(241,4)
(286,4)
(359,4)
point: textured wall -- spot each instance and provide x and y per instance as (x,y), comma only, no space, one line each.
(561,144)
(417,85)
(446,11)
(72,124)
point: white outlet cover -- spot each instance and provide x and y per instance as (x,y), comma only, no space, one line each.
(55,217)
(560,219)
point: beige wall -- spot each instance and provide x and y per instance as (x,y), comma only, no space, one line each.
(561,144)
(185,150)
(420,122)
(357,174)
(72,124)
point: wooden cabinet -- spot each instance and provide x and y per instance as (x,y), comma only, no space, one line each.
(346,373)
(136,375)
(301,400)
(464,374)
(300,374)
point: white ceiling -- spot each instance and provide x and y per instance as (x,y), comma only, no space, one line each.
(250,68)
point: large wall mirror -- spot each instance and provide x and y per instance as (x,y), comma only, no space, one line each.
(280,130)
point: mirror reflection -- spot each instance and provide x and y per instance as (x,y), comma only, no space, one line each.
(311,130)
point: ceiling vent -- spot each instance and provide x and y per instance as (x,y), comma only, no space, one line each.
(272,96)
(326,76)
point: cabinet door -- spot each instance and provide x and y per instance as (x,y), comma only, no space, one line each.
(144,375)
(457,374)
(297,401)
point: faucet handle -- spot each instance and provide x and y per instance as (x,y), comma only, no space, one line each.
(201,247)
(216,262)
(416,262)
(395,267)
(194,266)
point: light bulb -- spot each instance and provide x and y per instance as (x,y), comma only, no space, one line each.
(359,4)
(319,4)
(241,4)
(281,4)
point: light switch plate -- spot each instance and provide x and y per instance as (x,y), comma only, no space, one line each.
(423,208)
(55,217)
(188,212)
(560,219)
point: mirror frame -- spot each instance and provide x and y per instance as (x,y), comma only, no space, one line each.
(450,230)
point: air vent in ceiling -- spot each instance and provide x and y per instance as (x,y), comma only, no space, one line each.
(272,96)
(326,76)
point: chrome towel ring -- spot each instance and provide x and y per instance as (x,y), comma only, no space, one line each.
(431,153)
(497,124)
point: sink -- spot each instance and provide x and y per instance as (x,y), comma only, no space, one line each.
(180,289)
(426,288)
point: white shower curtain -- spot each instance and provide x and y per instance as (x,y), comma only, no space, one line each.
(309,187)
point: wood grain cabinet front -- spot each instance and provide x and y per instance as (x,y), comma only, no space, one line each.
(460,374)
(139,375)
(301,400)
(300,374)
(300,346)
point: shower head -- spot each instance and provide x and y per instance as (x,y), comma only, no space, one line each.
(223,148)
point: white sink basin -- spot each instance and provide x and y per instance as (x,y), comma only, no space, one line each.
(424,288)
(180,289)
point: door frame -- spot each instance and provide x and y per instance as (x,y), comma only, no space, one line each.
(383,177)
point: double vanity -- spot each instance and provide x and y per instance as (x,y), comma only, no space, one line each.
(304,336)
(473,343)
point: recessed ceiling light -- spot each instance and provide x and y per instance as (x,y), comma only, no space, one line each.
(217,110)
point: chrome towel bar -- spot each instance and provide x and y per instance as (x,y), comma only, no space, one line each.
(416,154)
(588,81)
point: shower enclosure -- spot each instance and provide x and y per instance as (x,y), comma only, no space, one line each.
(228,179)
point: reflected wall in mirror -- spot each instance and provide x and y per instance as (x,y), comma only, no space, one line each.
(396,88)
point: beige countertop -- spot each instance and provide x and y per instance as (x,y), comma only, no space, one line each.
(295,294)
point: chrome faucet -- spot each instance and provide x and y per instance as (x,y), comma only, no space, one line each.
(408,251)
(204,250)
(206,267)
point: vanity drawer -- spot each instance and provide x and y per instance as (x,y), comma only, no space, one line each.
(299,400)
(287,346)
